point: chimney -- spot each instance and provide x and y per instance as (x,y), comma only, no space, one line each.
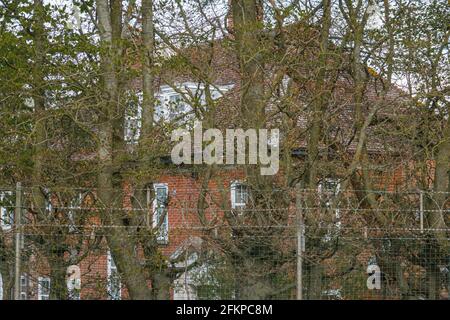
(229,25)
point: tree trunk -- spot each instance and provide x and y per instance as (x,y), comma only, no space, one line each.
(320,102)
(148,37)
(110,147)
(315,282)
(433,282)
(248,25)
(441,186)
(6,269)
(161,286)
(39,141)
(58,286)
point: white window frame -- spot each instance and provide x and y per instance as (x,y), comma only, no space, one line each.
(48,201)
(4,212)
(162,237)
(177,98)
(111,266)
(24,286)
(335,181)
(336,191)
(162,110)
(233,187)
(75,206)
(41,294)
(132,125)
(74,286)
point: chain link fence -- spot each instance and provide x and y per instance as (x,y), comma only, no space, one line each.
(305,244)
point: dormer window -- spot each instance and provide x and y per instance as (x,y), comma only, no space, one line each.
(172,103)
(177,103)
(173,106)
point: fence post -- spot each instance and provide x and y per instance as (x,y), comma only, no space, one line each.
(18,231)
(448,278)
(300,241)
(421,211)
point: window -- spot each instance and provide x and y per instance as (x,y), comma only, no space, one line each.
(74,282)
(75,206)
(114,283)
(74,294)
(239,195)
(329,185)
(133,112)
(24,287)
(177,106)
(177,103)
(328,191)
(48,201)
(43,288)
(332,294)
(6,210)
(160,212)
(172,106)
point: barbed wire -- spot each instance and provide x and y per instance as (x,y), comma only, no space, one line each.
(188,227)
(218,210)
(283,189)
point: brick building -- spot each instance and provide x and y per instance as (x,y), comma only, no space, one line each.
(177,189)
